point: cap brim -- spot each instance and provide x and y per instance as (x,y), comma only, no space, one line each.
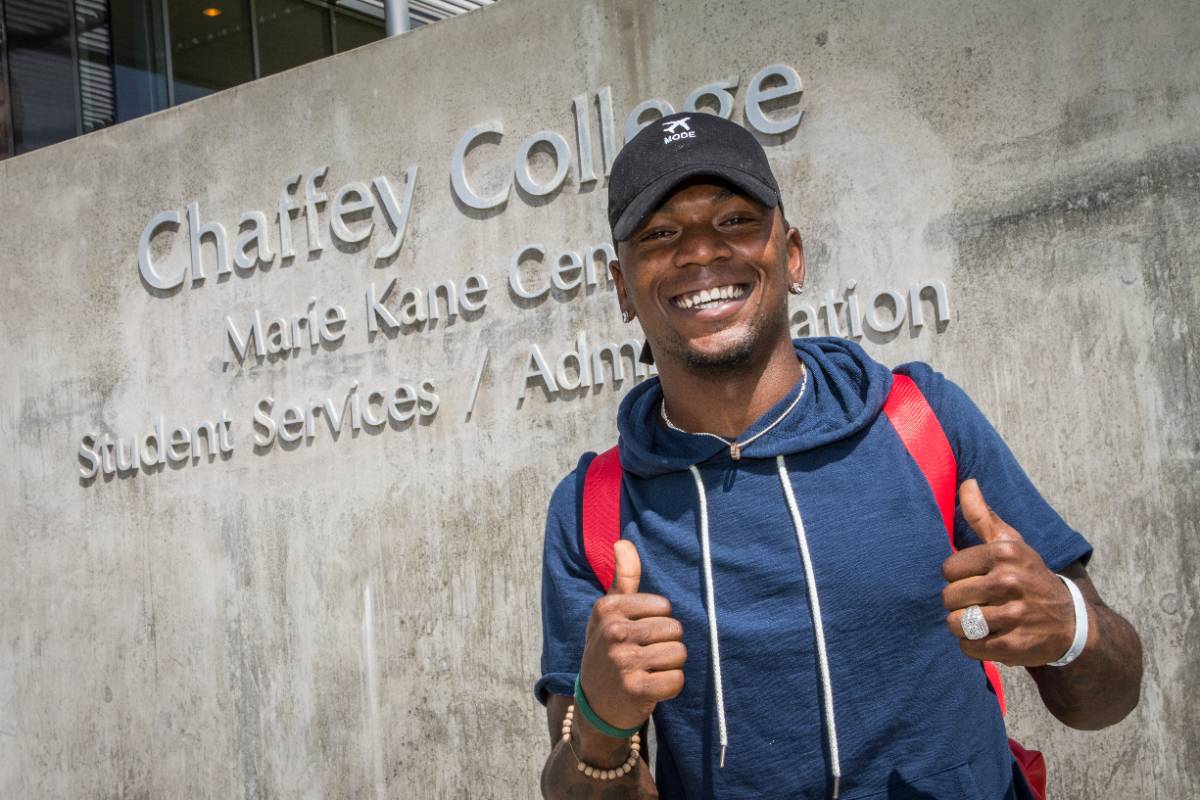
(652,196)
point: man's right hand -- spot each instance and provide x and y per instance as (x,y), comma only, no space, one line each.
(632,660)
(634,655)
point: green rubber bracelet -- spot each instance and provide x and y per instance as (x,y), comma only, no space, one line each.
(595,721)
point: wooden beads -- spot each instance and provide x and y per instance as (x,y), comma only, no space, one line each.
(598,773)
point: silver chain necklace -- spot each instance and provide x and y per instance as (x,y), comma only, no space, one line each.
(735,447)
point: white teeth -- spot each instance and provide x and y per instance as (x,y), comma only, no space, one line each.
(709,297)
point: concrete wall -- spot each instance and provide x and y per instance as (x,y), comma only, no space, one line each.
(358,617)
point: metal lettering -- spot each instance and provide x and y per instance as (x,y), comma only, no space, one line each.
(179,438)
(853,313)
(397,215)
(403,405)
(757,94)
(941,303)
(145,264)
(369,419)
(458,169)
(718,90)
(334,315)
(160,452)
(197,232)
(427,400)
(312,218)
(284,216)
(608,142)
(254,235)
(562,160)
(241,346)
(617,353)
(807,325)
(568,264)
(514,272)
(353,198)
(292,416)
(474,293)
(872,315)
(536,369)
(264,425)
(577,360)
(377,313)
(609,255)
(583,137)
(87,454)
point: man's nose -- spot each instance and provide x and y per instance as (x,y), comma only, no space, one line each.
(699,245)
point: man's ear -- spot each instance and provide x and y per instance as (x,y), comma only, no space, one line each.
(618,278)
(795,257)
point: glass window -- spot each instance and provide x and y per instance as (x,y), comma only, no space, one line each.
(139,58)
(5,108)
(290,33)
(210,46)
(42,79)
(351,31)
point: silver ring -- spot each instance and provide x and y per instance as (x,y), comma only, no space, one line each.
(974,624)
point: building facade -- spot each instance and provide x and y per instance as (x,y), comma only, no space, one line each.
(69,67)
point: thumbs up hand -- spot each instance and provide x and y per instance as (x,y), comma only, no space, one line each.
(634,655)
(627,568)
(1028,611)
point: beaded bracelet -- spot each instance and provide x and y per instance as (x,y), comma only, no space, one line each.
(601,773)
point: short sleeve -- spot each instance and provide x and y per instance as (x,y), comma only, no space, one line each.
(983,455)
(569,588)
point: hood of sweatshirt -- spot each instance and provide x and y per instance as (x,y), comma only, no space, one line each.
(843,392)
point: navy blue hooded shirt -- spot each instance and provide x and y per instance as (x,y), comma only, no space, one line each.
(910,716)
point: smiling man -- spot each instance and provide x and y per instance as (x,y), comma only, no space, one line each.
(784,600)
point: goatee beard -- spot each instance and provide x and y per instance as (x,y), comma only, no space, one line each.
(741,353)
(730,360)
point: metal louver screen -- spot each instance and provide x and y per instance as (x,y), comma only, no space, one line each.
(42,79)
(97,96)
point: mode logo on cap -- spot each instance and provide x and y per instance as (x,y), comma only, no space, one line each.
(677,129)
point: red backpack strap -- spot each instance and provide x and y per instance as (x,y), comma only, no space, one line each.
(918,427)
(922,434)
(602,514)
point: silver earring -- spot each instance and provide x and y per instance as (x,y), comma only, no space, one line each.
(625,317)
(796,288)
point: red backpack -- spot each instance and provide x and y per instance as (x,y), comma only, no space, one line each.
(918,427)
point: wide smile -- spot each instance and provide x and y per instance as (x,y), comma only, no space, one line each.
(712,302)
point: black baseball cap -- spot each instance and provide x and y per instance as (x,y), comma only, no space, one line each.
(678,147)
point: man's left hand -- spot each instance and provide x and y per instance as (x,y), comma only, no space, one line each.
(1028,609)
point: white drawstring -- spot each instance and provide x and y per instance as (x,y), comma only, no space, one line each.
(814,603)
(713,643)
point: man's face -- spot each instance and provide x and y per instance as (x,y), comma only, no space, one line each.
(707,275)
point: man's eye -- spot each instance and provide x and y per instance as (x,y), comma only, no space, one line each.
(655,234)
(738,220)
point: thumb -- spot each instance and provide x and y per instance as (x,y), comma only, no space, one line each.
(627,568)
(979,515)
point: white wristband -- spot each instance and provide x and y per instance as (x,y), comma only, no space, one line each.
(1081,625)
